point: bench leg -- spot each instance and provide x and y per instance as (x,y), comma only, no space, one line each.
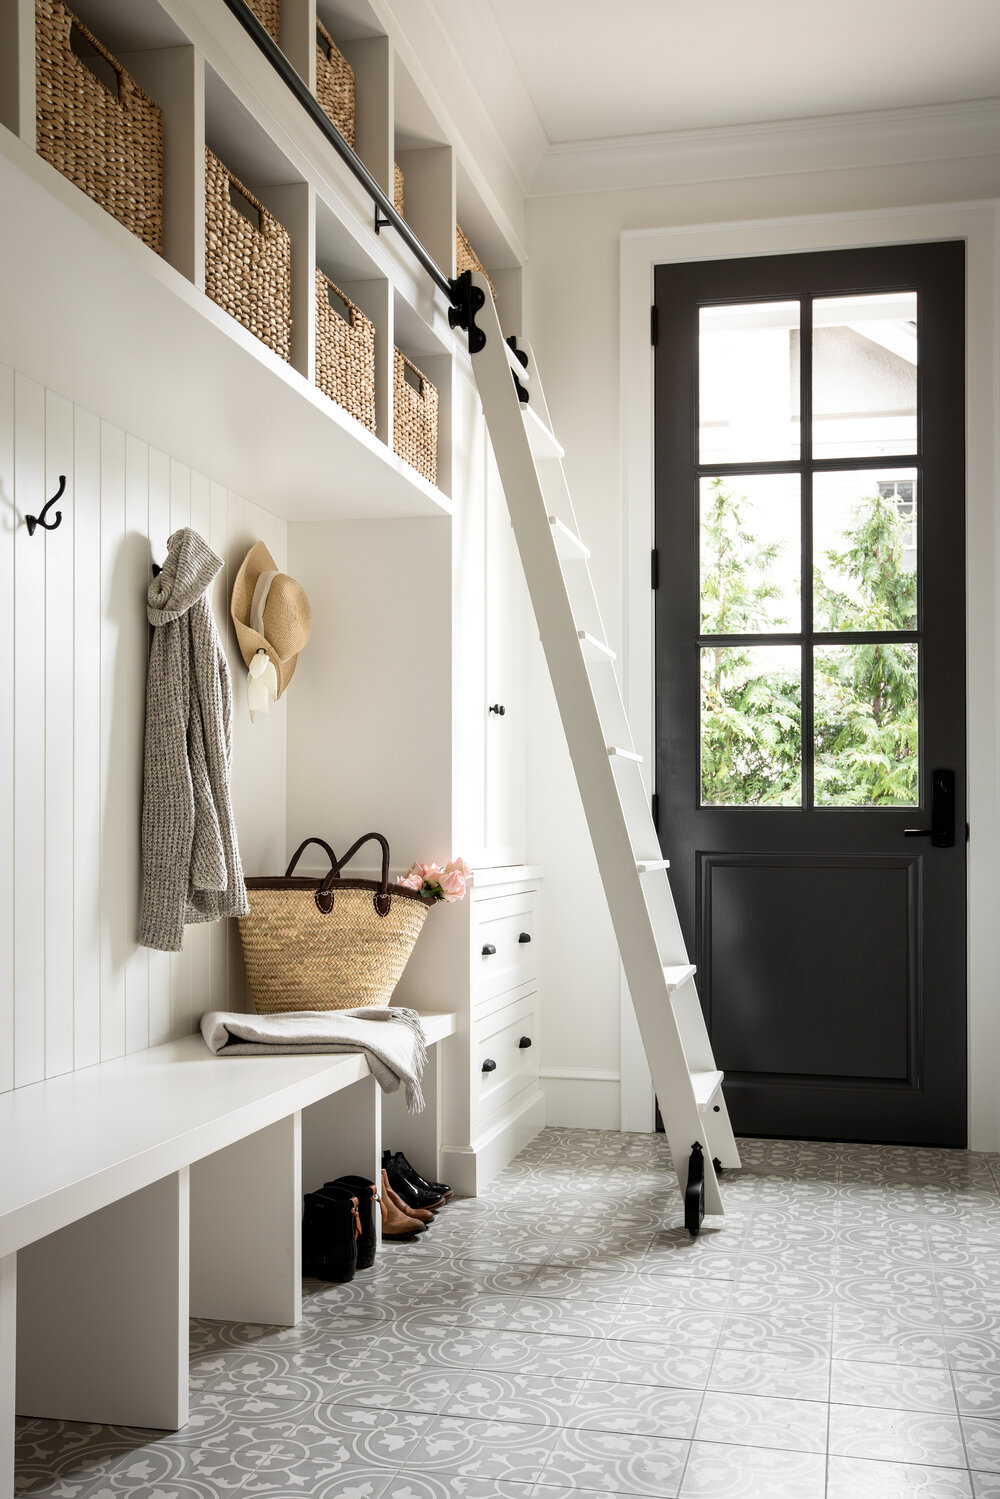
(246,1229)
(102,1314)
(342,1135)
(8,1289)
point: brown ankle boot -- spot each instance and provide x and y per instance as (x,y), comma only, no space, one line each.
(423,1215)
(397,1225)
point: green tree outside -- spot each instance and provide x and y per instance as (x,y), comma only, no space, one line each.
(866,714)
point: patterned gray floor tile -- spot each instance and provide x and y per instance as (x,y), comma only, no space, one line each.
(642,1410)
(606,1461)
(763,1421)
(859,1478)
(410,1485)
(896,1436)
(399,1388)
(526,1399)
(905,1387)
(716,1471)
(791,1378)
(982,1443)
(461,1448)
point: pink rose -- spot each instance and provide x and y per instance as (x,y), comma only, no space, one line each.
(459,865)
(411,881)
(453,884)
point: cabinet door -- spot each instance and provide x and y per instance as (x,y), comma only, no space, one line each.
(506,736)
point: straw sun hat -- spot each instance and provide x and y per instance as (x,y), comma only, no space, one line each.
(271,613)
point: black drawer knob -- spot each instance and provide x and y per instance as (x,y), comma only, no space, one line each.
(489,1065)
(498,709)
(489,951)
(524,937)
(524,1043)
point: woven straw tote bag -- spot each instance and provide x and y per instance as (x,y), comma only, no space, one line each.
(328,944)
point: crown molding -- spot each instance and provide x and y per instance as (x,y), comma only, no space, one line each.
(823,143)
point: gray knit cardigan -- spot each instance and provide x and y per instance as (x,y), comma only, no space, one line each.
(190,858)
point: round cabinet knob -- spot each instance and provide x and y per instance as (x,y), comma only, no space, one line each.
(498,709)
(489,1065)
(524,1043)
(524,937)
(489,951)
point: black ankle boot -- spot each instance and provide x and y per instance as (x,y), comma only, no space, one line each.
(367,1195)
(399,1161)
(330,1233)
(401,1182)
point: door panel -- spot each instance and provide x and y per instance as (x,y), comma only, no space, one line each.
(810,675)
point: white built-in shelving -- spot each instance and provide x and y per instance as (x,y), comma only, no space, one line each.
(133,333)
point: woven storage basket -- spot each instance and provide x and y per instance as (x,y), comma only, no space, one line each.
(328,944)
(335,83)
(248,270)
(397,188)
(415,418)
(345,353)
(268,13)
(466,258)
(111,148)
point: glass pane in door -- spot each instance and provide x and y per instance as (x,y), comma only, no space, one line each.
(750,554)
(748,383)
(864,382)
(751,726)
(866,724)
(865,549)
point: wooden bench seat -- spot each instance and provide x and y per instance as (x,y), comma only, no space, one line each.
(163,1185)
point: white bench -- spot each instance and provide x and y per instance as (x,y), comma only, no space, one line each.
(167,1184)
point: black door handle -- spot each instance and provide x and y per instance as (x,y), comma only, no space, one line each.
(498,709)
(489,1065)
(489,951)
(942,829)
(524,937)
(524,1043)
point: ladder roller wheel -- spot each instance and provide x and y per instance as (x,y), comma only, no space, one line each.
(694,1192)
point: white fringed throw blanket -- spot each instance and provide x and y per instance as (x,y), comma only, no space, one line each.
(392,1039)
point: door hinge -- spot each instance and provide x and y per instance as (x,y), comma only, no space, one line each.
(654,569)
(654,807)
(654,326)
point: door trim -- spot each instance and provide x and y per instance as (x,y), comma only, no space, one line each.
(979,225)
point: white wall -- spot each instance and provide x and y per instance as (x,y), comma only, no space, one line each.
(573,289)
(75,988)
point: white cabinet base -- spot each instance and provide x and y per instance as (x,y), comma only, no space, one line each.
(102,1314)
(246,1228)
(468,1168)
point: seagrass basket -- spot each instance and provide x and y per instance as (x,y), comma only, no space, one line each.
(248,266)
(107,139)
(345,352)
(397,188)
(415,417)
(268,13)
(328,944)
(466,258)
(335,83)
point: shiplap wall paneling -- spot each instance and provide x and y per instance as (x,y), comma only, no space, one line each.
(8,524)
(134,564)
(29,737)
(75,987)
(118,616)
(87,799)
(59,622)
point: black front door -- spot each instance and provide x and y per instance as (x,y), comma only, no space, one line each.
(810,680)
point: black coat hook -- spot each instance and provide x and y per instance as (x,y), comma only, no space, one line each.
(31,521)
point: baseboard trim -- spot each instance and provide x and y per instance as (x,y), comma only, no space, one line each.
(468,1168)
(582,1097)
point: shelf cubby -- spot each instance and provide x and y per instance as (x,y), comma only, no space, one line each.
(426,158)
(494,250)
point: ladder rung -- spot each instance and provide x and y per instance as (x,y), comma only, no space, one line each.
(594,648)
(647,866)
(569,547)
(706,1085)
(623,754)
(678,974)
(540,439)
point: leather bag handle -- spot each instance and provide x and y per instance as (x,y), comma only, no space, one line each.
(381,900)
(304,845)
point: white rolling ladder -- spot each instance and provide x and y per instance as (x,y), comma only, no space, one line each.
(608,769)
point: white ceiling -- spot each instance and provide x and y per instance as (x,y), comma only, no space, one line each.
(595,72)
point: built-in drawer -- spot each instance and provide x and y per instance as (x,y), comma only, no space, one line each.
(505,946)
(505,1056)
